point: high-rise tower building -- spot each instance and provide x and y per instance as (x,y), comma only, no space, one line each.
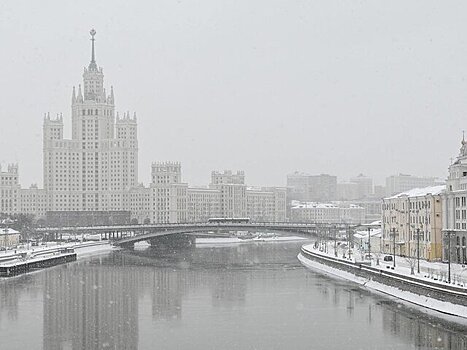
(94,169)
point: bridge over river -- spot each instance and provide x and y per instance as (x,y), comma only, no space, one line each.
(127,235)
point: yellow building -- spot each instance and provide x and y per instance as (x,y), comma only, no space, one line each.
(412,223)
(9,237)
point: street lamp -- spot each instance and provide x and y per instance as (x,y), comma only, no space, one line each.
(394,247)
(418,250)
(348,240)
(335,241)
(448,232)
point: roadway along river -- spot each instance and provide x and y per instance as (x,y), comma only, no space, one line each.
(250,296)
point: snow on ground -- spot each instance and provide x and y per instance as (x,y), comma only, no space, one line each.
(92,248)
(83,249)
(235,240)
(433,304)
(435,272)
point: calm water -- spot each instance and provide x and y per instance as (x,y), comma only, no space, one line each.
(254,296)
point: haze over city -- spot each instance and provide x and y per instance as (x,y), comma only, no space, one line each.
(268,87)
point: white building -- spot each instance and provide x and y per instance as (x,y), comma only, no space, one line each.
(140,204)
(33,201)
(327,213)
(232,193)
(347,191)
(414,218)
(95,168)
(364,186)
(168,193)
(455,209)
(266,204)
(9,190)
(203,203)
(311,188)
(401,183)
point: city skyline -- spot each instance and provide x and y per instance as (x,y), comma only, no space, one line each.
(205,105)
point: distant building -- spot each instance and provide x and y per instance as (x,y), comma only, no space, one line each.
(372,208)
(93,170)
(412,213)
(347,191)
(33,201)
(267,204)
(311,188)
(400,183)
(379,191)
(203,203)
(140,204)
(9,190)
(168,193)
(233,193)
(328,213)
(364,186)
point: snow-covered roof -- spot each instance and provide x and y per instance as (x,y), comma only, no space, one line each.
(374,223)
(317,205)
(314,205)
(8,231)
(420,192)
(374,232)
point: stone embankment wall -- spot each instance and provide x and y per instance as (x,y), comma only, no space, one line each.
(433,290)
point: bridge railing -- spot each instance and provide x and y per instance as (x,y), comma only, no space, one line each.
(197,224)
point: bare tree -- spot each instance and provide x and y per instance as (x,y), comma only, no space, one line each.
(377,255)
(411,260)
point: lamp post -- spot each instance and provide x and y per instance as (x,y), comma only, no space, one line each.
(394,247)
(335,241)
(349,241)
(449,256)
(418,250)
(369,244)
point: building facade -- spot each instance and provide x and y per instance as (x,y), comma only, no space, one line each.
(33,201)
(203,203)
(412,223)
(266,204)
(364,186)
(455,210)
(311,188)
(232,193)
(326,213)
(401,183)
(168,193)
(94,169)
(9,190)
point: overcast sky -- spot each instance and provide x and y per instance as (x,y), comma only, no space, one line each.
(269,87)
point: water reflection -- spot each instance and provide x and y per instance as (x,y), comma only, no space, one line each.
(252,296)
(91,307)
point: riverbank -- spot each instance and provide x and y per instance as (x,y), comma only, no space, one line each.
(420,290)
(24,260)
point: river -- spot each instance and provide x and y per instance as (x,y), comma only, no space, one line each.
(249,296)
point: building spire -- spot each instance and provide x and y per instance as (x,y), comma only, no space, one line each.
(93,65)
